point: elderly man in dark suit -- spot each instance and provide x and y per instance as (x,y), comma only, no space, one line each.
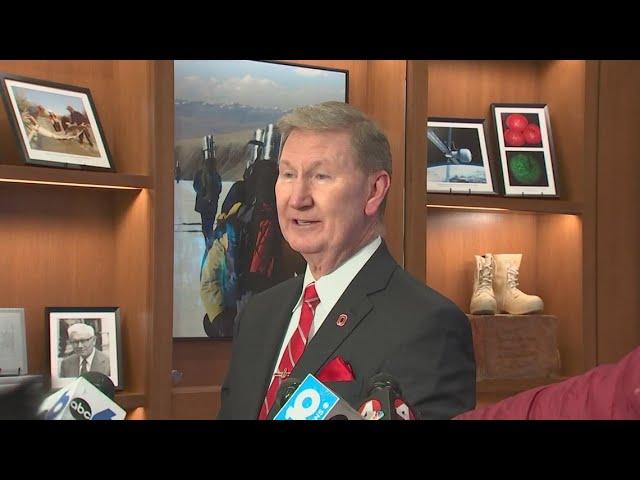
(355,312)
(86,358)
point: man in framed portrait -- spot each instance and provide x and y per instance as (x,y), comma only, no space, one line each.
(86,357)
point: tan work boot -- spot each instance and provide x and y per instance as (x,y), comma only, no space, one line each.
(505,283)
(483,300)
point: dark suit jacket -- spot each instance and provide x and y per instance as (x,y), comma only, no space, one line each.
(70,366)
(395,324)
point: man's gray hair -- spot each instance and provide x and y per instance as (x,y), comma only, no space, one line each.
(81,329)
(369,142)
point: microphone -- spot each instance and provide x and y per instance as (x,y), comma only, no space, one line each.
(287,388)
(384,400)
(313,400)
(89,397)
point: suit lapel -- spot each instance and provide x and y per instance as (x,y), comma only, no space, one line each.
(355,303)
(268,343)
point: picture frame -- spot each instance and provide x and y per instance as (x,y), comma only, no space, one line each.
(457,157)
(526,150)
(98,339)
(13,342)
(230,125)
(55,124)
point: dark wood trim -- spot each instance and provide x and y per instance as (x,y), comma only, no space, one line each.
(415,213)
(160,322)
(589,218)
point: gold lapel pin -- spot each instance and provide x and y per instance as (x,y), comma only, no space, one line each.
(342,319)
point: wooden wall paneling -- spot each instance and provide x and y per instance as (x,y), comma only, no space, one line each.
(160,335)
(453,238)
(132,261)
(589,233)
(386,104)
(415,170)
(559,284)
(202,361)
(562,87)
(196,403)
(57,247)
(131,141)
(618,221)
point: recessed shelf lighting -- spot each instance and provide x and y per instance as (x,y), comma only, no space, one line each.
(69,184)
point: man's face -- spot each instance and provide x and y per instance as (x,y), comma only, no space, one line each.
(82,343)
(321,193)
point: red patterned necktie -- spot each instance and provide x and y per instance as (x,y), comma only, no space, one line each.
(294,349)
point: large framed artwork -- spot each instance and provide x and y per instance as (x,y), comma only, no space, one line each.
(227,241)
(457,158)
(84,339)
(525,145)
(55,124)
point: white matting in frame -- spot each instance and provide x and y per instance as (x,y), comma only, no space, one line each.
(525,145)
(457,158)
(13,342)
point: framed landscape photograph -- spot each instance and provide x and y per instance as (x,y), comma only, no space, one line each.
(457,159)
(84,339)
(13,342)
(227,149)
(55,124)
(525,145)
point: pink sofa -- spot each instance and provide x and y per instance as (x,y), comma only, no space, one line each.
(606,392)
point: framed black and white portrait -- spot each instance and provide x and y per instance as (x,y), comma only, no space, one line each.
(84,339)
(457,158)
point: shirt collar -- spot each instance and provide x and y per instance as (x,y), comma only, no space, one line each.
(330,287)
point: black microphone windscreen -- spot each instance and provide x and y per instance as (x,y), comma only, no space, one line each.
(383,380)
(286,389)
(101,382)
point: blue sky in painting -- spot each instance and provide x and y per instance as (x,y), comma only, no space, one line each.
(258,84)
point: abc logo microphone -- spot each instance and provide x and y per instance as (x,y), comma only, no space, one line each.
(384,400)
(89,397)
(312,400)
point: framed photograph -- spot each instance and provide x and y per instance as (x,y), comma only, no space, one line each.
(526,149)
(226,139)
(457,159)
(13,342)
(55,124)
(84,339)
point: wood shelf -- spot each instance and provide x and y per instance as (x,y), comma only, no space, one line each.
(513,204)
(75,178)
(130,400)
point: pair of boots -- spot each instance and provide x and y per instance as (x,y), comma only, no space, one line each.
(495,287)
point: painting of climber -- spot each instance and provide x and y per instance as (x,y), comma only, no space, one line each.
(220,262)
(55,124)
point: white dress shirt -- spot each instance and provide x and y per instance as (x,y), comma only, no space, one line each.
(330,288)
